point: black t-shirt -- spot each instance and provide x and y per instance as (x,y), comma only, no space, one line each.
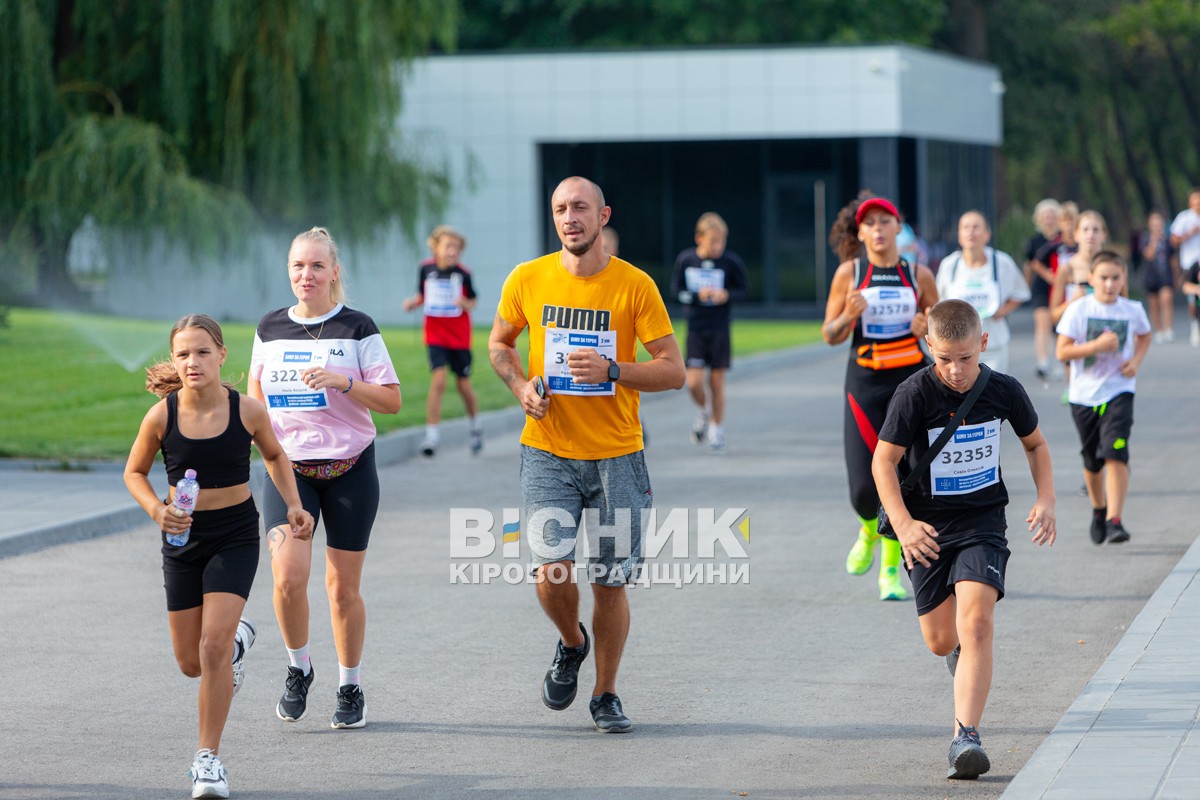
(923,403)
(700,316)
(1036,243)
(1193,276)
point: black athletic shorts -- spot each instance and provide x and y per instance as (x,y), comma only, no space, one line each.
(1104,431)
(981,557)
(459,361)
(221,555)
(1039,292)
(349,502)
(709,348)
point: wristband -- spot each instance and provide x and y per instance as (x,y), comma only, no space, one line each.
(350,386)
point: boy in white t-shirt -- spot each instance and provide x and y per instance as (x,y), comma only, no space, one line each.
(1105,337)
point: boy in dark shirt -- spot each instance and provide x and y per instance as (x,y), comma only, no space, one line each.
(707,280)
(951,526)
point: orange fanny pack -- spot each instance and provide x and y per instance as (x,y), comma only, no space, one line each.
(890,355)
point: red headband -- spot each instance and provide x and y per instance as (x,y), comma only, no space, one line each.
(874,202)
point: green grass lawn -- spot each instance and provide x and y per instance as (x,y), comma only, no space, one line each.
(74,385)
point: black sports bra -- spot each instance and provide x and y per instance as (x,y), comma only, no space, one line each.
(220,461)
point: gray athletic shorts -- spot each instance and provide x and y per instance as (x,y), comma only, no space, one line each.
(609,494)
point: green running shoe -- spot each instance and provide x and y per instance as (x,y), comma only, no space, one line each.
(862,555)
(890,586)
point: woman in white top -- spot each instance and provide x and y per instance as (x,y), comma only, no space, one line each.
(986,278)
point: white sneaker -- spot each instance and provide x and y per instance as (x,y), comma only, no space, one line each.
(209,776)
(716,438)
(245,634)
(700,427)
(430,445)
(1158,338)
(1194,339)
(1168,336)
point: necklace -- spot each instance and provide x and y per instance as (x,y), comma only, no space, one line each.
(320,330)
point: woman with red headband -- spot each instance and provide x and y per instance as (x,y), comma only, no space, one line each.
(879,301)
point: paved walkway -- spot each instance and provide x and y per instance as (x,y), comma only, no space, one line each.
(799,684)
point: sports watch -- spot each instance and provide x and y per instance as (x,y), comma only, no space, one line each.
(614,371)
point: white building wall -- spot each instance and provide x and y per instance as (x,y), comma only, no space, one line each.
(487,114)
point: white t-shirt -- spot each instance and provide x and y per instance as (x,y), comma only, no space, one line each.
(984,288)
(1189,249)
(1098,379)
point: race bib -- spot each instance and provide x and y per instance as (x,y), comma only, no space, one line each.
(440,294)
(559,344)
(983,294)
(282,382)
(704,277)
(970,461)
(890,311)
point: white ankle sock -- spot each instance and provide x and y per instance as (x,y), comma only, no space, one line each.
(299,659)
(348,674)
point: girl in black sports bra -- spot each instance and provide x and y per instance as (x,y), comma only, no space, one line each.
(203,424)
(878,300)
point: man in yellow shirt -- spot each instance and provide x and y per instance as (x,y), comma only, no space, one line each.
(582,443)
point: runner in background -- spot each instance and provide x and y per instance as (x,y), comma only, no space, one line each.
(877,301)
(1185,236)
(986,278)
(445,289)
(1039,277)
(708,278)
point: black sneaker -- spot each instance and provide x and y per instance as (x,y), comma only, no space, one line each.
(607,714)
(967,759)
(1116,532)
(351,707)
(294,703)
(562,679)
(952,659)
(1099,530)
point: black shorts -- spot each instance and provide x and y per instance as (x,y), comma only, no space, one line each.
(709,348)
(1104,431)
(459,361)
(349,501)
(981,557)
(1156,280)
(221,555)
(1039,292)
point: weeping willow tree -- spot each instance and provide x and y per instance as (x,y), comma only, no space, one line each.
(198,120)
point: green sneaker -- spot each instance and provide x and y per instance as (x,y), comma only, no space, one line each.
(890,586)
(862,555)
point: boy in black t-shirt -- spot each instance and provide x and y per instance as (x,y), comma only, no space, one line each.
(707,280)
(951,526)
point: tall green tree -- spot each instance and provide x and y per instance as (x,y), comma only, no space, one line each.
(191,118)
(504,24)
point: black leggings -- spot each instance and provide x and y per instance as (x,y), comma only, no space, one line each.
(868,392)
(349,502)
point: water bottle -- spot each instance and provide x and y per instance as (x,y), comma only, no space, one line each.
(185,500)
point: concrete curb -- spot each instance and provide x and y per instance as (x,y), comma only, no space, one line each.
(390,449)
(1038,777)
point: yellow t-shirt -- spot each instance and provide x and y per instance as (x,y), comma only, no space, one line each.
(620,301)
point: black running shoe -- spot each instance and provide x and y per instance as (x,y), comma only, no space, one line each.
(1099,530)
(562,679)
(1116,532)
(294,703)
(967,759)
(351,707)
(608,715)
(952,659)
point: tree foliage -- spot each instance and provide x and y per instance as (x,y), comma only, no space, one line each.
(194,117)
(502,24)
